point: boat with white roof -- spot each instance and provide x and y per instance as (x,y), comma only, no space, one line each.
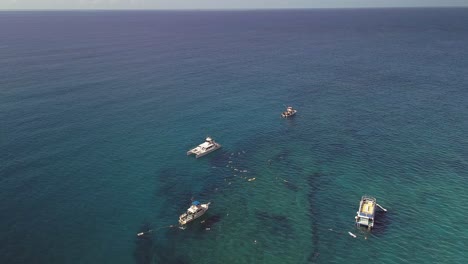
(206,147)
(367,207)
(193,212)
(289,112)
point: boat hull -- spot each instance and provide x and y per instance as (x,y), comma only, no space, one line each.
(366,213)
(186,218)
(284,115)
(215,147)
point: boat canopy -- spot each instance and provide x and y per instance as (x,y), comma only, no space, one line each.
(195,203)
(205,144)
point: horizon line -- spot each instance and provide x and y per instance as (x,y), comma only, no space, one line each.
(224,9)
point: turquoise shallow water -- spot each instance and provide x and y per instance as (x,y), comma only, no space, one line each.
(98,109)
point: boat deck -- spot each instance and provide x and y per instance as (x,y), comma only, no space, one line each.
(206,147)
(368,208)
(365,214)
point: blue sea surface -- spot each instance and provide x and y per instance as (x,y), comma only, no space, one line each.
(98,109)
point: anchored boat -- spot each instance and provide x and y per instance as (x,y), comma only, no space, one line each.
(366,213)
(289,112)
(206,147)
(195,210)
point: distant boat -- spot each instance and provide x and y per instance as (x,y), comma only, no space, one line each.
(195,210)
(289,112)
(366,213)
(206,147)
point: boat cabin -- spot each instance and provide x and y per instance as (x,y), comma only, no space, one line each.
(289,112)
(365,214)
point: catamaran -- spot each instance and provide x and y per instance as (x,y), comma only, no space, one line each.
(204,148)
(365,214)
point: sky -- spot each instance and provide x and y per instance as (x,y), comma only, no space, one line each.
(220,4)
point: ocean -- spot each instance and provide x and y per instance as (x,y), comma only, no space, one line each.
(98,109)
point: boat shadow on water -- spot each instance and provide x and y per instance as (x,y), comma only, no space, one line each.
(279,226)
(382,221)
(209,222)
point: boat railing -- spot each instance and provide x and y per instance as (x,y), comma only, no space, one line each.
(368,197)
(361,214)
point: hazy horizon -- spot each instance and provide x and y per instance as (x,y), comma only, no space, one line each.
(218,5)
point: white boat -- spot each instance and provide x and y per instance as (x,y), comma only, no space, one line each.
(206,147)
(366,213)
(195,210)
(289,112)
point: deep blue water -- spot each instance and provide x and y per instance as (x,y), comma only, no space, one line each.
(97,110)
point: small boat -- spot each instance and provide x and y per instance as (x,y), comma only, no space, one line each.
(289,112)
(366,213)
(195,210)
(204,148)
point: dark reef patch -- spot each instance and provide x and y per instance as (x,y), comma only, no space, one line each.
(265,216)
(170,255)
(282,156)
(382,221)
(277,225)
(167,243)
(144,246)
(220,159)
(291,186)
(166,184)
(210,221)
(313,181)
(175,197)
